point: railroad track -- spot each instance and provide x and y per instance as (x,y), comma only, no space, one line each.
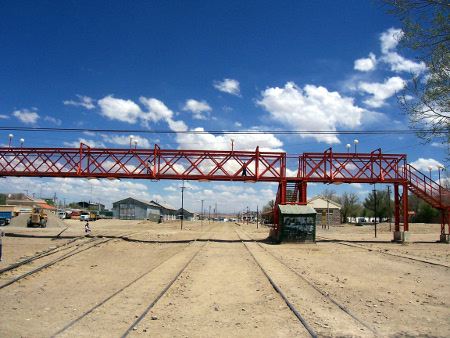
(164,274)
(16,272)
(299,294)
(383,251)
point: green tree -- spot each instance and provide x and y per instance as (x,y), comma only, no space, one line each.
(426,99)
(2,199)
(384,206)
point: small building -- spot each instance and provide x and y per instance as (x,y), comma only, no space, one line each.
(328,211)
(167,212)
(131,208)
(297,223)
(187,215)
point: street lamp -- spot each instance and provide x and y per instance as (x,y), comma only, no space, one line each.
(135,144)
(10,137)
(440,167)
(356,143)
(232,144)
(21,142)
(131,139)
(430,168)
(348,148)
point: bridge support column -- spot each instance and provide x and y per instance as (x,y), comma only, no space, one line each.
(401,208)
(445,222)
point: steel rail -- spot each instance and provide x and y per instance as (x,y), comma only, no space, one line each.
(142,316)
(277,289)
(63,257)
(383,252)
(314,287)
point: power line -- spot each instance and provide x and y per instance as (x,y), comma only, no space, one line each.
(225,132)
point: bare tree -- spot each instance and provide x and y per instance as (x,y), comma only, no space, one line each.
(426,99)
(349,205)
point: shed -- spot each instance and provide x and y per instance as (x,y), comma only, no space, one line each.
(328,211)
(297,223)
(187,215)
(167,212)
(131,208)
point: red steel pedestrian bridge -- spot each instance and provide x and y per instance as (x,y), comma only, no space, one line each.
(291,172)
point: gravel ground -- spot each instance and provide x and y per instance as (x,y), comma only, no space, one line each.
(223,292)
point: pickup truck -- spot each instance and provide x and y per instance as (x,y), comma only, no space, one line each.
(5,217)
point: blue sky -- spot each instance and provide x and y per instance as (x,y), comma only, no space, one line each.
(202,65)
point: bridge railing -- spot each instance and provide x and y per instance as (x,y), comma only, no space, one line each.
(352,168)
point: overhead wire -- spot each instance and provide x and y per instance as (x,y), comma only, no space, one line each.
(224,132)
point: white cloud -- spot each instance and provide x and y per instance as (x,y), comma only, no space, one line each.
(313,108)
(157,110)
(53,120)
(118,109)
(366,64)
(198,108)
(399,64)
(389,39)
(229,86)
(125,140)
(177,125)
(26,116)
(90,143)
(424,164)
(6,117)
(381,91)
(85,102)
(266,142)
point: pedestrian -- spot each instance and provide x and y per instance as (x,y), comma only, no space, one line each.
(2,233)
(86,228)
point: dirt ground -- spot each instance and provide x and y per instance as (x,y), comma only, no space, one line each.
(397,290)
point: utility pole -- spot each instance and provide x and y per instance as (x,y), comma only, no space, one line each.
(257,217)
(182,203)
(375,200)
(389,201)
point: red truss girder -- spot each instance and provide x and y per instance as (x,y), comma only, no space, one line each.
(352,168)
(143,163)
(156,164)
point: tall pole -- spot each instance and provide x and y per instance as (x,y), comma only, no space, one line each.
(182,205)
(389,200)
(257,217)
(375,199)
(209,216)
(202,214)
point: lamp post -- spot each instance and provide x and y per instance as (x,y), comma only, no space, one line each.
(430,168)
(10,137)
(131,139)
(356,143)
(21,142)
(348,148)
(135,144)
(232,144)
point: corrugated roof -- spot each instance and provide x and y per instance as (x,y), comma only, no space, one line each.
(297,209)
